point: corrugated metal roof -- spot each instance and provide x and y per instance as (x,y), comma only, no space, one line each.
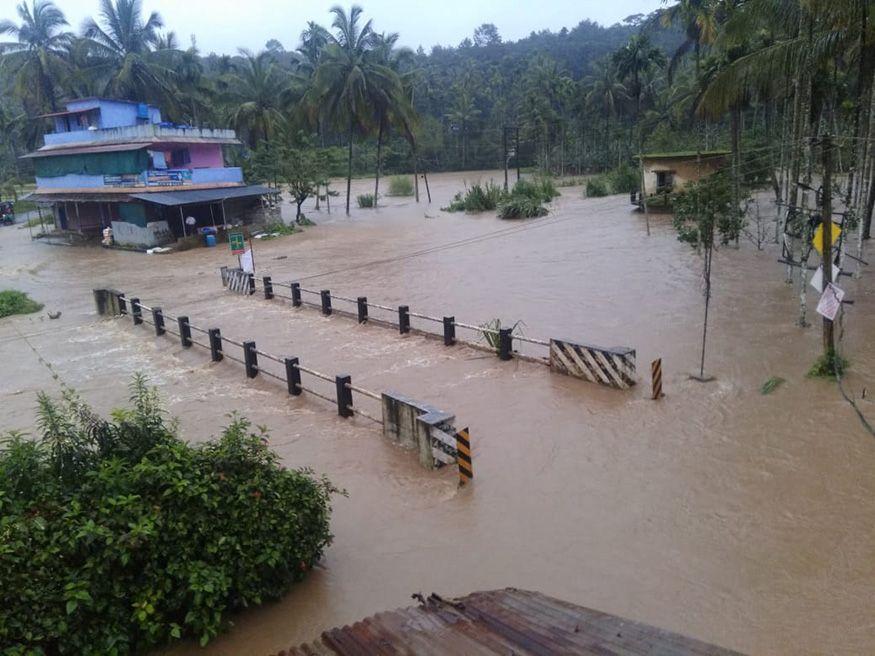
(84,150)
(69,112)
(172,198)
(129,144)
(72,196)
(502,622)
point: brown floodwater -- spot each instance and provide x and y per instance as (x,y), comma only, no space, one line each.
(737,518)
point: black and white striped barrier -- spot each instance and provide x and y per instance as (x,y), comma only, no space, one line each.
(613,367)
(237,280)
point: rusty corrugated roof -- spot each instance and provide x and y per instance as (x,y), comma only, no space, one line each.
(502,622)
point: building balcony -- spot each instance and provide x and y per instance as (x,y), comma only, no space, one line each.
(140,133)
(156,178)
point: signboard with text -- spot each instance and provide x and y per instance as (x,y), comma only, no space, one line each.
(238,245)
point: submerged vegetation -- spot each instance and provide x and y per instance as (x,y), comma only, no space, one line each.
(400,185)
(828,365)
(620,180)
(365,200)
(119,536)
(15,302)
(525,199)
(477,198)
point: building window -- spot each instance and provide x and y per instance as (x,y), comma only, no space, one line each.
(180,158)
(664,181)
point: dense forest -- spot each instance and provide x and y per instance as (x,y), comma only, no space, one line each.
(763,78)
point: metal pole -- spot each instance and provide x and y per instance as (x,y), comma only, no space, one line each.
(516,155)
(251,254)
(182,221)
(826,262)
(504,153)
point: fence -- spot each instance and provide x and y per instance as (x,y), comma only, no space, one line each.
(610,366)
(407,422)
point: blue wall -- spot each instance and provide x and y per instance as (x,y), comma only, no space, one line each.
(114,113)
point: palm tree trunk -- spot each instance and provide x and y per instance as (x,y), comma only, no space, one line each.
(349,166)
(379,155)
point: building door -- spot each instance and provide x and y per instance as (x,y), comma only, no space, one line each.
(62,216)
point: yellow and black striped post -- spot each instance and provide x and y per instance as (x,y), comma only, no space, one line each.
(656,376)
(463,449)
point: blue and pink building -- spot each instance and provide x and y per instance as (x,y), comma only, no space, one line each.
(115,163)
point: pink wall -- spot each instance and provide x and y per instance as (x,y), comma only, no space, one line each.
(205,156)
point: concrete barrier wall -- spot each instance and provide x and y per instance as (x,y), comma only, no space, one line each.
(130,234)
(410,424)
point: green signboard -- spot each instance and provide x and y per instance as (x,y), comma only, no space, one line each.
(235,239)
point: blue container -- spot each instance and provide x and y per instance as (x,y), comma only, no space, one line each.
(211,240)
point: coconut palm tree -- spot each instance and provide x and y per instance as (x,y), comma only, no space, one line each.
(395,109)
(604,93)
(635,59)
(348,78)
(124,46)
(462,116)
(313,42)
(698,19)
(260,91)
(36,57)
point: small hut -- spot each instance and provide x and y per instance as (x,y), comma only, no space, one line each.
(665,173)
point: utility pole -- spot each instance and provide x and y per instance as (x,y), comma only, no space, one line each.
(516,154)
(826,263)
(504,154)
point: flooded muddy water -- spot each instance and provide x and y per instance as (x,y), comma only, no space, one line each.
(718,512)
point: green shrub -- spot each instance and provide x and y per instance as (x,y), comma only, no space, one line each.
(400,185)
(478,198)
(15,302)
(771,385)
(624,179)
(117,536)
(829,365)
(597,187)
(541,189)
(279,228)
(366,200)
(520,207)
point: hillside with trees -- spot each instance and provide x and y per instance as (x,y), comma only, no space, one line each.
(759,77)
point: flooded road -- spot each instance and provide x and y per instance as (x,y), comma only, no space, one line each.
(737,518)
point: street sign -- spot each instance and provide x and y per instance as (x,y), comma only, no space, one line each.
(817,241)
(238,245)
(830,301)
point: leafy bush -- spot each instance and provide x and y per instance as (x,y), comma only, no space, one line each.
(520,207)
(15,302)
(478,198)
(624,179)
(829,365)
(400,185)
(597,187)
(366,200)
(279,228)
(117,536)
(541,189)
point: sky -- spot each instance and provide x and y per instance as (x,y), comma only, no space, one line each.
(222,26)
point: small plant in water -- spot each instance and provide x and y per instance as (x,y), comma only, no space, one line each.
(828,365)
(15,302)
(597,187)
(771,385)
(400,185)
(489,331)
(366,200)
